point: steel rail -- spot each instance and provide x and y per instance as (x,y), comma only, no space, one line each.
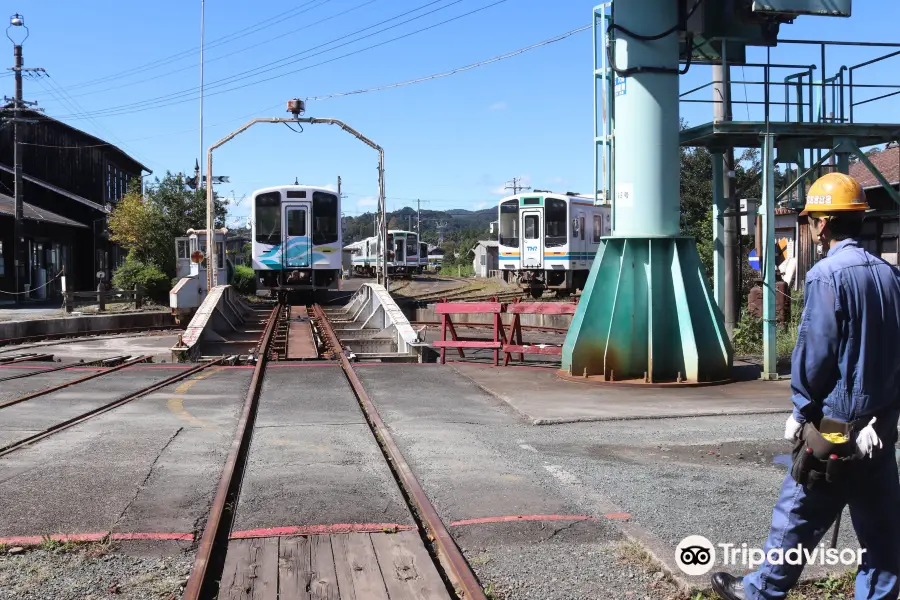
(25,358)
(99,362)
(202,580)
(8,449)
(460,571)
(61,386)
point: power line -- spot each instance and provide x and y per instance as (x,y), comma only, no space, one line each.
(274,20)
(60,93)
(128,109)
(376,89)
(224,56)
(274,65)
(454,71)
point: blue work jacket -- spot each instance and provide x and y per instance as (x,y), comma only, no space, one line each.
(846,364)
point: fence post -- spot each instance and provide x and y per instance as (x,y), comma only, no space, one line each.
(101,297)
(138,295)
(67,298)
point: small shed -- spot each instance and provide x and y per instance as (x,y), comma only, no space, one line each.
(486,257)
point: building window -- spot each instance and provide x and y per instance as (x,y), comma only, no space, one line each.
(220,255)
(598,228)
(483,260)
(183,251)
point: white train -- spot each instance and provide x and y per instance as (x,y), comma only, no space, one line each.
(296,238)
(548,241)
(404,254)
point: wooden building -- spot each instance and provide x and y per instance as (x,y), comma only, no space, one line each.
(71,181)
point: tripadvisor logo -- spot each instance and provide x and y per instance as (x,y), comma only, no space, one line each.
(695,555)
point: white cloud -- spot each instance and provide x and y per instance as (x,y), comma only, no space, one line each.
(367,201)
(481,205)
(497,106)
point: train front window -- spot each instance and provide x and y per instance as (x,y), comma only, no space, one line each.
(268,218)
(555,217)
(509,223)
(325,218)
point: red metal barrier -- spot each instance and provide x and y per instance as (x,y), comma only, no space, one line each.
(445,309)
(515,345)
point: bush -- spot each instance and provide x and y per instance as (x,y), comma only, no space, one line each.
(154,282)
(244,280)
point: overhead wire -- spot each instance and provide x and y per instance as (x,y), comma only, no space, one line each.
(159,103)
(255,28)
(223,56)
(284,61)
(58,92)
(424,79)
(379,88)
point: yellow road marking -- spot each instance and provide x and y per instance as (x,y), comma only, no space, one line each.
(176,403)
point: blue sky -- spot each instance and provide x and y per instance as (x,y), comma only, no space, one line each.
(452,142)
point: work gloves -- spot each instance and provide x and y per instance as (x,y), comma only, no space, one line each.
(868,440)
(792,429)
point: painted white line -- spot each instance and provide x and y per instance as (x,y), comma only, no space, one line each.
(562,475)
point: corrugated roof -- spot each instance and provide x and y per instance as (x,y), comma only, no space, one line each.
(33,213)
(887,161)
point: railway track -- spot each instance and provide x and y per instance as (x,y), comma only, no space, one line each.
(211,557)
(84,416)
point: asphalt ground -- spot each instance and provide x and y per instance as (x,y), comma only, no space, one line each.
(478,458)
(149,466)
(313,460)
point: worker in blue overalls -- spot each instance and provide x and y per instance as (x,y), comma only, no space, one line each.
(845,387)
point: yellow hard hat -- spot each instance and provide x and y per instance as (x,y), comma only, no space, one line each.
(835,192)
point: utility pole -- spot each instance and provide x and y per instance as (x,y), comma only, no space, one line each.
(722,112)
(515,186)
(202,28)
(419,219)
(19,105)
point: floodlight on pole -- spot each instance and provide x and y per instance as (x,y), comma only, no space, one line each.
(17,20)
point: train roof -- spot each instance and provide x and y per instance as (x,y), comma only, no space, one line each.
(560,195)
(278,188)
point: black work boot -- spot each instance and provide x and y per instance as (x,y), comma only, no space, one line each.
(728,586)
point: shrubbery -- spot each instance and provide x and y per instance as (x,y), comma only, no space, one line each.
(244,280)
(154,282)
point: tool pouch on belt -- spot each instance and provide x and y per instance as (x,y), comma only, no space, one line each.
(818,461)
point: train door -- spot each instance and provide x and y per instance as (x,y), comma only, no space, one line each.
(296,229)
(399,250)
(578,248)
(532,239)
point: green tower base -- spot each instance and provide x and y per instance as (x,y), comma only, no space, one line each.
(647,316)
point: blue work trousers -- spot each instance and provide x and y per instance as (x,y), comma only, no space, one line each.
(802,516)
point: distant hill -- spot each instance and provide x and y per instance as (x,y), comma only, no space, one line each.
(458,224)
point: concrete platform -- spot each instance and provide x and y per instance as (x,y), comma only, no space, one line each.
(543,398)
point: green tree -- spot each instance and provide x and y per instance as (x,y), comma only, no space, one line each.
(147,224)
